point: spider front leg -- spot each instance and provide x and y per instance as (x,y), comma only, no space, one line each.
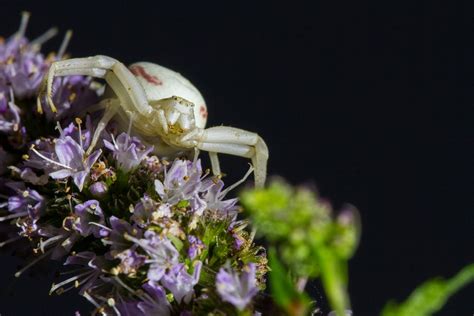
(111,108)
(116,74)
(234,141)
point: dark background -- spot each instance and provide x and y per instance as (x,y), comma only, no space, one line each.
(362,99)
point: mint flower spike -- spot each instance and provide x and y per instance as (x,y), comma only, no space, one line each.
(127,151)
(235,289)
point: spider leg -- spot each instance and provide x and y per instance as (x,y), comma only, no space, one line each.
(116,74)
(112,106)
(216,167)
(234,141)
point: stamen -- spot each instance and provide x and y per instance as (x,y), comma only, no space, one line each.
(49,241)
(125,286)
(249,172)
(140,243)
(77,283)
(25,17)
(113,141)
(55,287)
(90,299)
(100,225)
(132,116)
(60,129)
(9,241)
(40,40)
(79,122)
(32,263)
(14,215)
(64,44)
(50,160)
(111,303)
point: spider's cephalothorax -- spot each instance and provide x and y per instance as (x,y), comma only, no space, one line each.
(165,110)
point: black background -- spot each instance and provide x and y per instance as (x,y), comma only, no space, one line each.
(365,100)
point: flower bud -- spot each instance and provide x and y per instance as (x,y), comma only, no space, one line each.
(98,189)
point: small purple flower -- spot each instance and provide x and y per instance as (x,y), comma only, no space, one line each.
(59,241)
(27,203)
(130,261)
(80,135)
(195,246)
(30,176)
(41,156)
(155,303)
(73,94)
(116,236)
(22,66)
(85,216)
(128,151)
(98,189)
(182,182)
(129,308)
(73,161)
(88,277)
(163,254)
(181,283)
(10,115)
(234,229)
(236,290)
(148,210)
(215,200)
(152,302)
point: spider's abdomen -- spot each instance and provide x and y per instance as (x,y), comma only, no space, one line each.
(161,83)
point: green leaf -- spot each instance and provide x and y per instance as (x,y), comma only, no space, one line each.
(431,296)
(334,278)
(182,204)
(283,289)
(176,242)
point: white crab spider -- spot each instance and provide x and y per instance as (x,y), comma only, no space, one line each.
(164,108)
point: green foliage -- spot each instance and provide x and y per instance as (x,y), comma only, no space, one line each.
(431,296)
(310,241)
(283,290)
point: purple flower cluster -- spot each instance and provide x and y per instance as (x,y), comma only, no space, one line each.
(138,234)
(22,67)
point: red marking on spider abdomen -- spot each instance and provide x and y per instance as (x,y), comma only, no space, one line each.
(203,111)
(139,71)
